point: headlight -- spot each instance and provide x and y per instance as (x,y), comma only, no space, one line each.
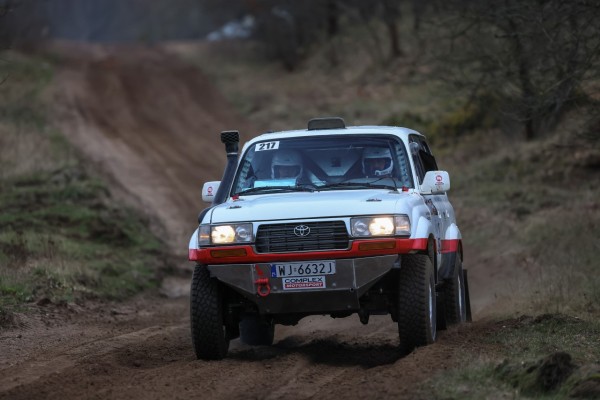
(222,234)
(225,234)
(398,225)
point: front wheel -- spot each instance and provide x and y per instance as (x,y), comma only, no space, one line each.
(416,302)
(209,335)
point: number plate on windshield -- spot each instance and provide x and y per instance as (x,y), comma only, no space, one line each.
(309,268)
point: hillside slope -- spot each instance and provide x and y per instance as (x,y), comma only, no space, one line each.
(150,121)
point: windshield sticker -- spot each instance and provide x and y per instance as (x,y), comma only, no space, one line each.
(275,182)
(267,146)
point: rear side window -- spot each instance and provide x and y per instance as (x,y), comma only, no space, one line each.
(422,157)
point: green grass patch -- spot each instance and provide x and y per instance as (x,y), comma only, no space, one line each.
(533,337)
(65,238)
(552,356)
(62,237)
(62,224)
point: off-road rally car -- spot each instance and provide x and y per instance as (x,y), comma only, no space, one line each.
(331,220)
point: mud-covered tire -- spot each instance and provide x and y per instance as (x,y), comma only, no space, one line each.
(417,320)
(209,336)
(255,331)
(455,304)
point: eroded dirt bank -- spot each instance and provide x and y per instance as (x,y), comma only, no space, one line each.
(151,122)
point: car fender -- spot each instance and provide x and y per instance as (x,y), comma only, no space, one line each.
(451,244)
(194,240)
(452,233)
(423,229)
(193,246)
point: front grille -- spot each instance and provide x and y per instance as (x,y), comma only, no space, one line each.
(277,238)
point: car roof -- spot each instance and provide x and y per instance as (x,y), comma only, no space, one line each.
(351,130)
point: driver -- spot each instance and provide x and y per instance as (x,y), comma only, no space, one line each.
(377,162)
(286,164)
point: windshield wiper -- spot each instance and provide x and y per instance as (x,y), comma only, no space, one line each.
(274,189)
(353,185)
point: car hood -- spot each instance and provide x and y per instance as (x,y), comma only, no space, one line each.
(305,205)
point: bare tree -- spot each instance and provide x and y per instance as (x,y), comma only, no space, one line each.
(391,15)
(533,56)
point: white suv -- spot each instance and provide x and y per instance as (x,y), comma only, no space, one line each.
(331,220)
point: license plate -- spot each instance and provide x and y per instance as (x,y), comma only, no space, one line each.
(309,268)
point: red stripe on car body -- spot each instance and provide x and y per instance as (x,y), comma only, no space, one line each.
(450,245)
(402,246)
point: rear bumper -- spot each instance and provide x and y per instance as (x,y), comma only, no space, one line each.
(338,292)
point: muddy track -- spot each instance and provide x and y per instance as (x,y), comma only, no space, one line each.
(151,123)
(320,357)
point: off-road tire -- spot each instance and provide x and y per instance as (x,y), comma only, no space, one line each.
(209,336)
(255,331)
(416,302)
(455,304)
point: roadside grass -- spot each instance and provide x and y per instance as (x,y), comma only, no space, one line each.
(543,207)
(62,237)
(551,356)
(534,207)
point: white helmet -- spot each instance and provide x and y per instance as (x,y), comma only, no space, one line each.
(287,161)
(370,154)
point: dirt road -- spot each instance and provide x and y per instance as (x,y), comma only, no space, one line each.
(142,350)
(152,123)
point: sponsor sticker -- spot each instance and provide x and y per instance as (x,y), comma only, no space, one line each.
(303,282)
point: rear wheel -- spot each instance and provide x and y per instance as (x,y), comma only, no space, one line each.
(255,331)
(455,306)
(209,335)
(416,302)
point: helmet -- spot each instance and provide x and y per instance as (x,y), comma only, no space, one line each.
(377,161)
(286,164)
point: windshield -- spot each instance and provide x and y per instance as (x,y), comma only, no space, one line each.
(323,163)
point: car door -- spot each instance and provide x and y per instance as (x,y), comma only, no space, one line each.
(424,161)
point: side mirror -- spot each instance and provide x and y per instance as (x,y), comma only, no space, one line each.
(209,190)
(435,182)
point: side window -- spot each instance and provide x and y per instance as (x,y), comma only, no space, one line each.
(427,157)
(422,156)
(415,149)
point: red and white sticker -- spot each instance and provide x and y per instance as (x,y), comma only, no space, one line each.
(438,178)
(304,282)
(209,191)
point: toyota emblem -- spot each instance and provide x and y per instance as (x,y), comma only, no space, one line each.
(301,230)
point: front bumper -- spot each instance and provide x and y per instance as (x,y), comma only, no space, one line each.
(242,254)
(340,291)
